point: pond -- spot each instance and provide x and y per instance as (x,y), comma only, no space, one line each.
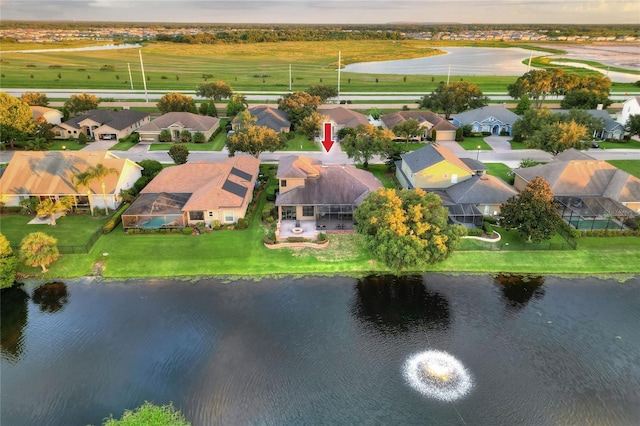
(457,60)
(500,350)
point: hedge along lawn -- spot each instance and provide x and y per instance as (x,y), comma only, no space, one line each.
(500,170)
(165,146)
(257,66)
(630,166)
(472,143)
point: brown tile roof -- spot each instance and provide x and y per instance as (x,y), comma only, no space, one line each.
(345,117)
(333,184)
(51,172)
(432,118)
(187,120)
(594,178)
(211,185)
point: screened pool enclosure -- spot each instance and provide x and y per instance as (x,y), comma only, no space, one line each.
(154,211)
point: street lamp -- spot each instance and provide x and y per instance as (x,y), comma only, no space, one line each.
(478,154)
(64,148)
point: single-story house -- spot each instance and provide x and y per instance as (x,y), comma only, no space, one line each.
(50,174)
(50,115)
(321,197)
(587,181)
(495,119)
(611,130)
(102,124)
(198,192)
(429,121)
(267,116)
(630,107)
(176,122)
(341,117)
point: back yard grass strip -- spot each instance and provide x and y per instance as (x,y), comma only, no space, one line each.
(500,170)
(630,166)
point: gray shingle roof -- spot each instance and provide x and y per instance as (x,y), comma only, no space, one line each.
(115,119)
(429,155)
(436,121)
(480,114)
(609,123)
(267,116)
(481,189)
(345,117)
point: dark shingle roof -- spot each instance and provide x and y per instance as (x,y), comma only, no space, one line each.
(115,119)
(430,155)
(436,121)
(480,114)
(267,116)
(481,189)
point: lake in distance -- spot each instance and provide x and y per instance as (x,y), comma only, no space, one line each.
(318,350)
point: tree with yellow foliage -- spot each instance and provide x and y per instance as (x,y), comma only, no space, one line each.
(406,229)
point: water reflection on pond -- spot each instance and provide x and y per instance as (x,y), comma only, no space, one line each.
(540,350)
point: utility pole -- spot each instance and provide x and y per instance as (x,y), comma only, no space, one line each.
(144,80)
(339,58)
(130,78)
(448,74)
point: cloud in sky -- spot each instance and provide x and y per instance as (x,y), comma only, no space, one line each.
(330,11)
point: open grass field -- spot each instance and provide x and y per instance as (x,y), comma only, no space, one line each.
(246,67)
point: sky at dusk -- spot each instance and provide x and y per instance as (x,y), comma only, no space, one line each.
(318,12)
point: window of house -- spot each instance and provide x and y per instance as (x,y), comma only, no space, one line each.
(454,178)
(210,214)
(283,183)
(228,216)
(289,213)
(196,215)
(308,211)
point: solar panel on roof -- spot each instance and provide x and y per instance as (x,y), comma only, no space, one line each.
(234,188)
(240,173)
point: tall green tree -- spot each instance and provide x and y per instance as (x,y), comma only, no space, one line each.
(176,102)
(8,263)
(366,142)
(537,84)
(215,91)
(323,91)
(454,97)
(311,126)
(584,99)
(524,105)
(298,105)
(39,249)
(35,98)
(179,153)
(559,136)
(633,125)
(533,212)
(100,172)
(77,104)
(237,103)
(16,119)
(254,140)
(406,229)
(408,129)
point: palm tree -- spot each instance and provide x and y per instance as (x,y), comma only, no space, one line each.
(50,208)
(39,249)
(99,171)
(84,179)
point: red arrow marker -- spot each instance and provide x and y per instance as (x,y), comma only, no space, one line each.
(327,143)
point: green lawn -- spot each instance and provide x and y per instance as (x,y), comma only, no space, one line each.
(632,144)
(517,145)
(500,170)
(164,146)
(384,175)
(629,166)
(221,138)
(472,144)
(301,143)
(123,146)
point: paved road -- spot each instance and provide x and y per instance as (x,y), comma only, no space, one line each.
(501,153)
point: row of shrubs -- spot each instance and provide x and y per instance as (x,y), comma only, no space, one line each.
(115,219)
(271,239)
(609,233)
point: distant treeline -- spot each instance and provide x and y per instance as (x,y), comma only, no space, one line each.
(346,31)
(272,35)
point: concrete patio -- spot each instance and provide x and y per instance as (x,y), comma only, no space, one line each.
(298,228)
